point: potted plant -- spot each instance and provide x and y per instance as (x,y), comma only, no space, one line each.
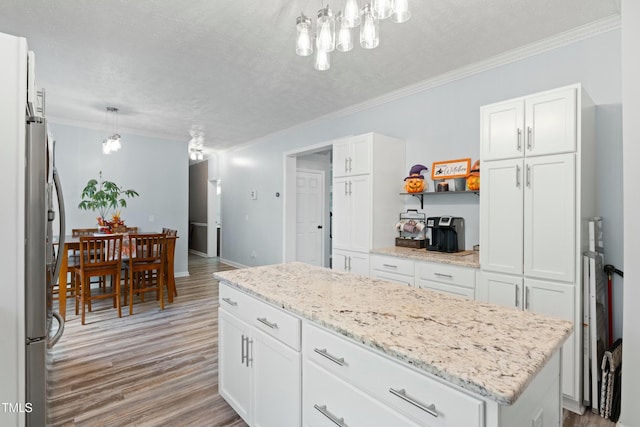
(102,196)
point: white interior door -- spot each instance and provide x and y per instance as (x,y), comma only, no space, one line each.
(309,216)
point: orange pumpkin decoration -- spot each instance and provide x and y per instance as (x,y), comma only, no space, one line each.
(473,180)
(414,183)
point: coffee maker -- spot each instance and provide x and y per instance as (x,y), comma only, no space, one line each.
(447,234)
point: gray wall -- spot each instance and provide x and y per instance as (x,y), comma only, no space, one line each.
(437,124)
(156,168)
(198,181)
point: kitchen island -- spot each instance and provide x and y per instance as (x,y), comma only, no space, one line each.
(351,350)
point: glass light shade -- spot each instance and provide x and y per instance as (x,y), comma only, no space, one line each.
(382,9)
(369,29)
(322,62)
(304,47)
(106,147)
(325,31)
(193,155)
(401,11)
(115,142)
(352,13)
(345,42)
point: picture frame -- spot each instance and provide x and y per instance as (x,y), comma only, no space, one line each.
(447,169)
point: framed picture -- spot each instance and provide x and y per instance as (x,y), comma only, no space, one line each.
(451,169)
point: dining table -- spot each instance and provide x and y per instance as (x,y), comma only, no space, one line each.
(72,243)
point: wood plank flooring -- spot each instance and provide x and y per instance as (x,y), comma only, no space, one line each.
(156,368)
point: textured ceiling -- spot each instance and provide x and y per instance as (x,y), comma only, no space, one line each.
(226,69)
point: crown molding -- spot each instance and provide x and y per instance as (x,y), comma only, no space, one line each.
(574,35)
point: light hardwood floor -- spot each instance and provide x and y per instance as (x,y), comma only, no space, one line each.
(156,368)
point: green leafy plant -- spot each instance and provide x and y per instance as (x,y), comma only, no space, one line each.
(102,196)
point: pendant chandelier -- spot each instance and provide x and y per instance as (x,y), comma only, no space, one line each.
(111,143)
(334,32)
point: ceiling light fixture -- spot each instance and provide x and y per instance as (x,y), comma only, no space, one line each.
(196,154)
(326,39)
(112,143)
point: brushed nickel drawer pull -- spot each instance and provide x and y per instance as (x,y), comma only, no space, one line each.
(529,143)
(346,162)
(230,302)
(323,410)
(264,321)
(337,360)
(402,394)
(517,176)
(519,139)
(389,265)
(448,276)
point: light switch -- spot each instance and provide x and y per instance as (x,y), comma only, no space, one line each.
(253,194)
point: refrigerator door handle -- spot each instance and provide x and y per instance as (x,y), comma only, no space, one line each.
(54,340)
(62,224)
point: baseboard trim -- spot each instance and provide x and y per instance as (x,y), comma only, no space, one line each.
(233,263)
(200,254)
(181,274)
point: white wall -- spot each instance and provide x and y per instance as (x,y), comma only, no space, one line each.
(630,415)
(158,169)
(437,124)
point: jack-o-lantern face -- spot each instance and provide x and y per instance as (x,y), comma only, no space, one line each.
(414,183)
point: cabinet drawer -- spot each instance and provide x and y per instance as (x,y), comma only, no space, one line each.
(462,291)
(329,402)
(392,265)
(269,319)
(276,323)
(445,273)
(392,277)
(422,394)
(235,301)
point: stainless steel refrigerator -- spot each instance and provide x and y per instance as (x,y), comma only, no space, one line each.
(43,193)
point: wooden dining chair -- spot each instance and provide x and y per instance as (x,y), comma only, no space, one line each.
(171,249)
(145,269)
(100,256)
(76,232)
(132,230)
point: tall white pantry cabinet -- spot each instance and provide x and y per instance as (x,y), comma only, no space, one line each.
(537,192)
(367,179)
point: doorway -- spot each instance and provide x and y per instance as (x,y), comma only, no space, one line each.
(307,205)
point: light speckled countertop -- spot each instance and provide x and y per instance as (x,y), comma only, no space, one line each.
(484,348)
(470,260)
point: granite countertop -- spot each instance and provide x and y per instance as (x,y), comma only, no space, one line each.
(484,348)
(466,260)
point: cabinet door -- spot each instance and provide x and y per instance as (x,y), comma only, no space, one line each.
(550,223)
(551,122)
(558,300)
(359,263)
(501,136)
(501,289)
(359,214)
(361,152)
(340,260)
(501,216)
(234,376)
(340,226)
(276,383)
(341,153)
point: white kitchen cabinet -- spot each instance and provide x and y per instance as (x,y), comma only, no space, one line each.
(234,377)
(353,262)
(538,187)
(394,269)
(352,156)
(451,279)
(351,221)
(366,172)
(259,360)
(528,217)
(535,125)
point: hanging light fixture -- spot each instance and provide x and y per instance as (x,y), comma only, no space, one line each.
(196,154)
(333,32)
(112,142)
